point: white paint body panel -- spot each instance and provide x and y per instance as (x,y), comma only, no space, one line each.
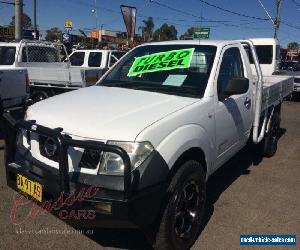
(267,69)
(105,113)
(172,124)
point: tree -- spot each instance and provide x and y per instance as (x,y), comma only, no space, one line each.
(26,21)
(165,33)
(188,34)
(293,46)
(53,34)
(147,29)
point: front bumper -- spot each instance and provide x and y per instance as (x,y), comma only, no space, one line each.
(133,200)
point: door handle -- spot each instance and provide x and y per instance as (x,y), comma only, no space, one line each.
(247,102)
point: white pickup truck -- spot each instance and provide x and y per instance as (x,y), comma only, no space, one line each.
(96,60)
(158,124)
(48,67)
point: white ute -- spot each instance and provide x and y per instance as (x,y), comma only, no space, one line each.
(149,135)
(49,70)
(14,84)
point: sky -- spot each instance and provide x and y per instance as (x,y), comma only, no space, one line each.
(181,13)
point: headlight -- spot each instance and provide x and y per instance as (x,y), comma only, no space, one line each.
(112,164)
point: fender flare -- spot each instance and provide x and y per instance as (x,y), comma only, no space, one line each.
(184,138)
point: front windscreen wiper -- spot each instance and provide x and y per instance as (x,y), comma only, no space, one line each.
(154,87)
(182,91)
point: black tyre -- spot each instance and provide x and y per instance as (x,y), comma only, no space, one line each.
(39,96)
(184,211)
(270,141)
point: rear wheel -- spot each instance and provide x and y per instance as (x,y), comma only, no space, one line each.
(270,141)
(183,214)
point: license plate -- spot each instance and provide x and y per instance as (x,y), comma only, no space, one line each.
(32,188)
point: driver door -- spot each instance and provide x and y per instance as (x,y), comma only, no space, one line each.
(233,113)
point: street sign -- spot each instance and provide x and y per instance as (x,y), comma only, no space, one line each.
(65,38)
(201,33)
(68,24)
(68,30)
(7,32)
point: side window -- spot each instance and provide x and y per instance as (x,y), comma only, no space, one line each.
(231,67)
(114,57)
(7,55)
(77,59)
(95,59)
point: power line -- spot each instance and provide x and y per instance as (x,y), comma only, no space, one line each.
(290,25)
(224,23)
(186,13)
(232,12)
(296,3)
(118,12)
(5,2)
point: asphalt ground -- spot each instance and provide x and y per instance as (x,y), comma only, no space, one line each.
(248,195)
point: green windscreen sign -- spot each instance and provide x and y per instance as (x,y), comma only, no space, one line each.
(173,59)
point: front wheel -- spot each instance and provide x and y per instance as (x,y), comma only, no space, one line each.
(184,211)
(39,95)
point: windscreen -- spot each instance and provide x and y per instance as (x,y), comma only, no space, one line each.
(181,70)
(7,55)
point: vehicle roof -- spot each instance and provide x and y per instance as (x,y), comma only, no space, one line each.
(29,42)
(98,50)
(9,43)
(194,42)
(264,41)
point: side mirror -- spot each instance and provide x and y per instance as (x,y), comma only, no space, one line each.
(237,86)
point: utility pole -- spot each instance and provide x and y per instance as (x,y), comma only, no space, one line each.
(18,19)
(34,19)
(97,20)
(277,19)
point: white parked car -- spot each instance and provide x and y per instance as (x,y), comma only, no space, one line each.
(96,60)
(149,135)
